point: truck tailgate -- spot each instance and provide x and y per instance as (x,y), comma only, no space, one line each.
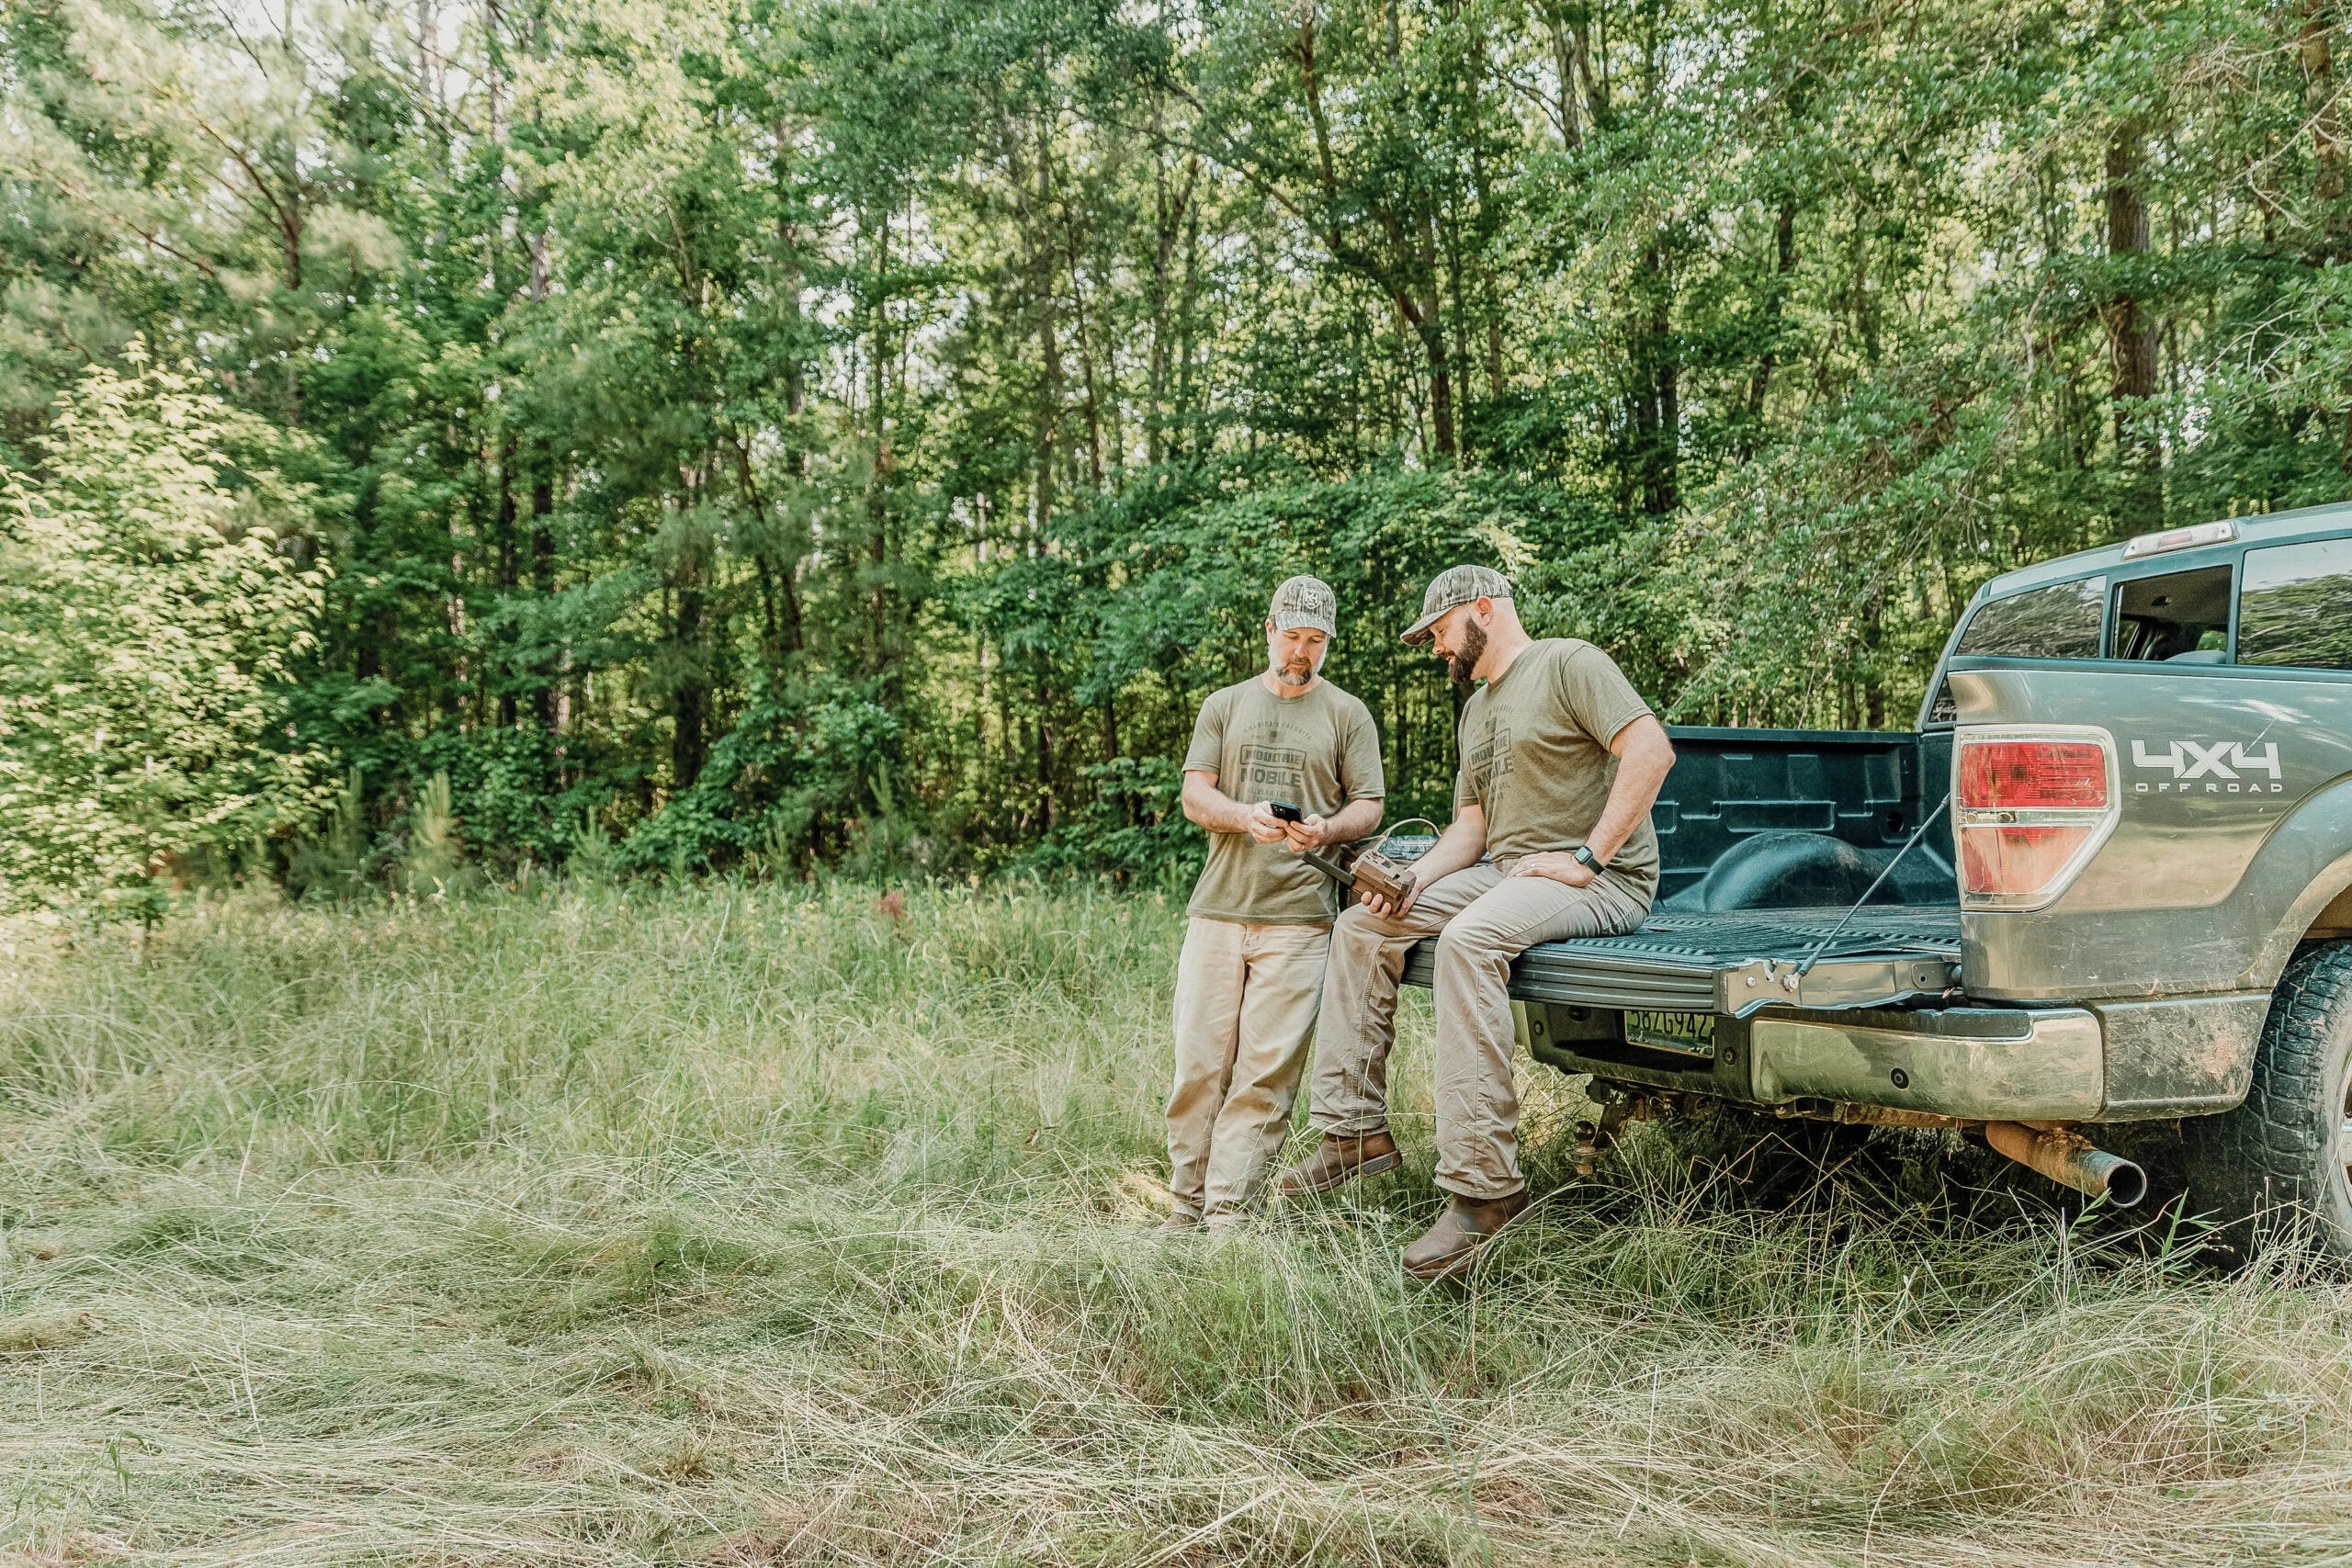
(1736,963)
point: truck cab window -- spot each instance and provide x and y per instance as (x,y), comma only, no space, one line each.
(2296,607)
(2182,615)
(2061,621)
(2057,621)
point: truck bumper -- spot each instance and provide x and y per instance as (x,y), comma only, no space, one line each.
(2000,1064)
(2106,1062)
(1969,1063)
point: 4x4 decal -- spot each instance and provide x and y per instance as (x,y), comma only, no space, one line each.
(2221,765)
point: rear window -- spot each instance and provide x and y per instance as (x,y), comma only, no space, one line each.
(2182,616)
(2061,621)
(2296,605)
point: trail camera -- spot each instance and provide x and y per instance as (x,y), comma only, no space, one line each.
(1383,865)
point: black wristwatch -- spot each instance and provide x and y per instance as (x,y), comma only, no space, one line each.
(1582,854)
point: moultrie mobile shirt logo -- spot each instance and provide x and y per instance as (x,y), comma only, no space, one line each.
(2220,767)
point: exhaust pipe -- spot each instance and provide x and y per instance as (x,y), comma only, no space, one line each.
(2069,1159)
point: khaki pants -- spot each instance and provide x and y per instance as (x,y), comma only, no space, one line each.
(1482,920)
(1246,998)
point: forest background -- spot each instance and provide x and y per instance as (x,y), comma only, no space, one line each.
(759,433)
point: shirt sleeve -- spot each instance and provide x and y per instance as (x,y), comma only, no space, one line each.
(1207,754)
(1466,792)
(1359,758)
(1597,695)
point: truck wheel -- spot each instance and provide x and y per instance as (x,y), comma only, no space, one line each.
(2282,1153)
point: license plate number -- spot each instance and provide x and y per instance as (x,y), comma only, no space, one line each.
(1687,1034)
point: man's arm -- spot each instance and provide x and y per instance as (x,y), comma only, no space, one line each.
(1644,756)
(1220,813)
(1463,841)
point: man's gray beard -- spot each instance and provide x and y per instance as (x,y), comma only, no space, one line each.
(1284,675)
(1465,658)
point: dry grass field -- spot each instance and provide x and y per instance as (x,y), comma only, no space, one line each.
(741,1225)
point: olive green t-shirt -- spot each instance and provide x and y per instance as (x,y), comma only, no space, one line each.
(1535,756)
(1319,752)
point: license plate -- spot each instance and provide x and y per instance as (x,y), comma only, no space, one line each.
(1689,1033)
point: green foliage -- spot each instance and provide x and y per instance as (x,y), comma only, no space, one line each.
(804,764)
(330,864)
(153,612)
(678,380)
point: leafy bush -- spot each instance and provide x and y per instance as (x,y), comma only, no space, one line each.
(149,619)
(807,762)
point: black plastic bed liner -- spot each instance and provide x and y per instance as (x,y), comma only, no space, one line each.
(1736,963)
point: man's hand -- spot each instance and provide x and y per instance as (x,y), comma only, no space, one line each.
(1392,909)
(1556,865)
(1463,841)
(1309,832)
(1264,826)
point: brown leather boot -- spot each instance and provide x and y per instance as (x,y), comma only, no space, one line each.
(1339,1160)
(1452,1243)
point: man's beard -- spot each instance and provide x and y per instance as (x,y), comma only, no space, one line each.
(1291,674)
(1464,659)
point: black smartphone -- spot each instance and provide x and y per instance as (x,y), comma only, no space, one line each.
(1286,812)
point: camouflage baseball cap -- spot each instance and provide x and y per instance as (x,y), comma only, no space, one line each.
(1305,602)
(1456,585)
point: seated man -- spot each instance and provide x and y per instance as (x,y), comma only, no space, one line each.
(1560,761)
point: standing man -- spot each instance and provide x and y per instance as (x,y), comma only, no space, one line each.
(1560,761)
(1252,975)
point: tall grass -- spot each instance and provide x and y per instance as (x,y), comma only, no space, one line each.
(749,1226)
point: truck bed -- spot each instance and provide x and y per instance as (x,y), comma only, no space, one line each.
(1734,964)
(1754,819)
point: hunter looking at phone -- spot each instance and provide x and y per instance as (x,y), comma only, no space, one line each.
(1560,761)
(1250,976)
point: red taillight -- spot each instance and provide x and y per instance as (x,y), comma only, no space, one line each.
(2014,861)
(2030,809)
(2033,774)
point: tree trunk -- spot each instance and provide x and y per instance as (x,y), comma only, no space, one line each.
(1111,753)
(1187,295)
(1168,225)
(778,591)
(506,567)
(1656,394)
(2132,333)
(1164,244)
(1047,417)
(690,703)
(1422,315)
(542,703)
(1086,363)
(1784,266)
(2317,43)
(1564,62)
(291,239)
(792,294)
(1044,765)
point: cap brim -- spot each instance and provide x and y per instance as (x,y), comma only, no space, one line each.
(1420,632)
(1304,623)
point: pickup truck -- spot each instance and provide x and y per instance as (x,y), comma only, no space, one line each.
(2106,884)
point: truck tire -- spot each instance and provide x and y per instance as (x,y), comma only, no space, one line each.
(2276,1164)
